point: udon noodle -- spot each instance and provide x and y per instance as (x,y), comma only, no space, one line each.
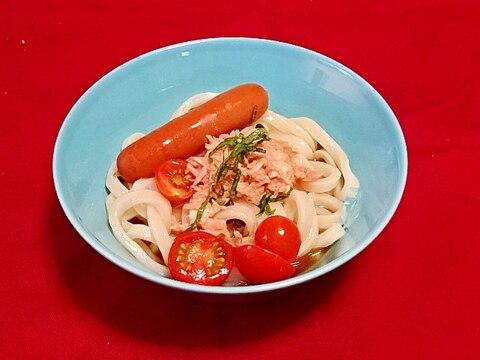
(317,207)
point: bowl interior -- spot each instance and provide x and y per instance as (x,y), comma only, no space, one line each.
(141,95)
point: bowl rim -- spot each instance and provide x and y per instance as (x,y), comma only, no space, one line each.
(250,289)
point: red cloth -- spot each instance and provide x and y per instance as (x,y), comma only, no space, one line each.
(412,294)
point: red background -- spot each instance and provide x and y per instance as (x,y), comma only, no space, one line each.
(413,293)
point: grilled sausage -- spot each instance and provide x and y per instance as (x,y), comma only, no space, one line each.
(185,135)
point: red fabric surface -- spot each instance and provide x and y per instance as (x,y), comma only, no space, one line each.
(413,293)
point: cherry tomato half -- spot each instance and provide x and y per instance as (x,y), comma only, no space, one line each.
(173,180)
(260,266)
(279,235)
(200,258)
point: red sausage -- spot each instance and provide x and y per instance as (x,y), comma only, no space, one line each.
(185,136)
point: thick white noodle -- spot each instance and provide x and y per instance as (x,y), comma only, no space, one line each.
(350,182)
(241,211)
(143,184)
(122,204)
(323,155)
(329,180)
(329,236)
(329,210)
(160,232)
(316,206)
(300,208)
(113,183)
(279,124)
(138,231)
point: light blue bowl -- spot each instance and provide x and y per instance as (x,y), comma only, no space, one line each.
(142,93)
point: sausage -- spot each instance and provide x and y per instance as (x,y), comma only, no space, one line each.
(185,135)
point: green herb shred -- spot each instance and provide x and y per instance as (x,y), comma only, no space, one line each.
(239,146)
(200,212)
(268,198)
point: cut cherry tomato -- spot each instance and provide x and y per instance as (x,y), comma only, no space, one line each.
(261,266)
(279,235)
(200,258)
(173,180)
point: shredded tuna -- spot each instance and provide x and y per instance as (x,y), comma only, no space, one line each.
(276,170)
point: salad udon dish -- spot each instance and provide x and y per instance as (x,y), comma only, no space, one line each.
(228,192)
(143,93)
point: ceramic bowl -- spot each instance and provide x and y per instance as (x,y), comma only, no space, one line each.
(141,94)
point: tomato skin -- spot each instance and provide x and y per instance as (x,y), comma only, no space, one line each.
(260,266)
(173,180)
(279,235)
(198,257)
